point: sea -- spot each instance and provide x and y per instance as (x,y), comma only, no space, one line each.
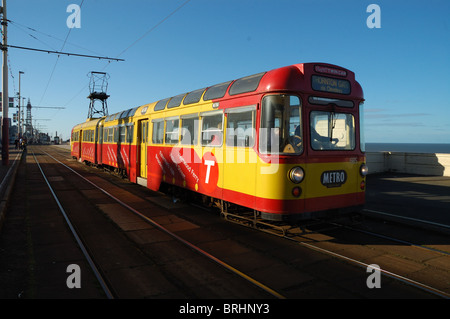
(409,147)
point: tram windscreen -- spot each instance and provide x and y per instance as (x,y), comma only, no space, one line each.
(332,131)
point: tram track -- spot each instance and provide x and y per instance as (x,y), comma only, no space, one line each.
(397,240)
(300,235)
(105,287)
(313,245)
(99,276)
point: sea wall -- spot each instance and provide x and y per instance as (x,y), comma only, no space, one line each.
(437,164)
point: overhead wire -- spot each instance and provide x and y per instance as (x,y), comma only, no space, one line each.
(11,73)
(135,42)
(57,59)
(154,27)
(21,27)
(64,53)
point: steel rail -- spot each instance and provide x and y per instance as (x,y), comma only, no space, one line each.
(401,241)
(185,242)
(94,268)
(406,280)
(427,222)
(398,277)
(403,279)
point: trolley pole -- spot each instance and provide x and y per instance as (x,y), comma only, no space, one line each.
(5,102)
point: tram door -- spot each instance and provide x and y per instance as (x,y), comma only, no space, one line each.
(143,142)
(80,142)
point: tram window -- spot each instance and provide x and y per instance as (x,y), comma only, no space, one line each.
(212,130)
(122,134)
(116,134)
(124,114)
(161,105)
(129,133)
(133,111)
(216,91)
(189,131)
(281,125)
(247,84)
(87,136)
(193,97)
(241,127)
(172,131)
(175,101)
(110,134)
(158,132)
(332,131)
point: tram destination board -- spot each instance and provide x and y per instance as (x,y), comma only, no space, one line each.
(331,85)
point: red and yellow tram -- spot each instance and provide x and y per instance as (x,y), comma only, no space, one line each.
(286,143)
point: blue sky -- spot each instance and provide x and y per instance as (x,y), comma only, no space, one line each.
(403,67)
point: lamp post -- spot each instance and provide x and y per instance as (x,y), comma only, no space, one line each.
(5,98)
(18,114)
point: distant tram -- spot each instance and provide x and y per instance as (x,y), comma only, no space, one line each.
(285,144)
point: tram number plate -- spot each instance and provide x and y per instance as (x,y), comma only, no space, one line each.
(333,178)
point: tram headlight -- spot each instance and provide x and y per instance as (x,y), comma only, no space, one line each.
(296,174)
(363,170)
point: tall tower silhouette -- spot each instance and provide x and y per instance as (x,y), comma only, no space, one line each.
(28,122)
(97,87)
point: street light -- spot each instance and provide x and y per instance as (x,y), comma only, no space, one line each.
(18,118)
